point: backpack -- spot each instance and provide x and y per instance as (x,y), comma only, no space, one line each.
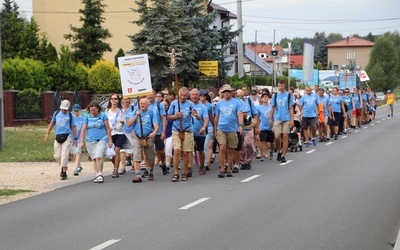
(70,118)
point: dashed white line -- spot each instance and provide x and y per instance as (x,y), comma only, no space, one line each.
(283,164)
(311,151)
(250,178)
(356,131)
(194,203)
(343,136)
(329,143)
(378,121)
(365,127)
(372,124)
(105,244)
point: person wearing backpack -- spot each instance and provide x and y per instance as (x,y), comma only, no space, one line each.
(282,116)
(64,125)
(309,112)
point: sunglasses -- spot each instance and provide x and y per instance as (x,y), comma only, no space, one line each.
(113,98)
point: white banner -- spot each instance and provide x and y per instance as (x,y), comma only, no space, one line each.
(135,75)
(308,63)
(363,76)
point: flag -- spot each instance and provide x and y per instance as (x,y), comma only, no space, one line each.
(363,76)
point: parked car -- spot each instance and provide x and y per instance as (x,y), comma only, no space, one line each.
(380,96)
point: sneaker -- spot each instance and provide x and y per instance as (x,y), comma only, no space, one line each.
(78,170)
(229,174)
(137,179)
(221,174)
(115,175)
(98,179)
(202,170)
(122,172)
(145,174)
(63,176)
(388,115)
(164,169)
(279,157)
(307,144)
(262,158)
(283,159)
(336,136)
(271,155)
(243,167)
(150,177)
(235,169)
(248,166)
(321,139)
(314,142)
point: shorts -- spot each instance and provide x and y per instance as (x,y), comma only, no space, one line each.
(230,139)
(127,148)
(338,117)
(186,145)
(168,146)
(159,143)
(199,141)
(358,112)
(349,114)
(267,136)
(96,149)
(240,142)
(309,122)
(76,150)
(281,127)
(148,151)
(119,140)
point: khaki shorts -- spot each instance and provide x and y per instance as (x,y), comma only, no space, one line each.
(229,139)
(186,145)
(148,151)
(281,127)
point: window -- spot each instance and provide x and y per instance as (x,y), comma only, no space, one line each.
(351,55)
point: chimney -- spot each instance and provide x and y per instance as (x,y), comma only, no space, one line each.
(348,39)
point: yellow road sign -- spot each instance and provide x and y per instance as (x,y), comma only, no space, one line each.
(208,68)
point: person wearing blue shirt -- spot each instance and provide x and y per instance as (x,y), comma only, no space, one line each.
(126,151)
(95,135)
(200,124)
(266,133)
(309,111)
(145,127)
(206,100)
(76,150)
(228,121)
(64,126)
(181,111)
(159,109)
(358,105)
(336,111)
(348,100)
(323,115)
(283,118)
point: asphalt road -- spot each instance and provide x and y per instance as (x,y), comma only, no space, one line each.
(339,195)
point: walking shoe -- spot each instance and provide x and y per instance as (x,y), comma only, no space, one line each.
(321,139)
(137,179)
(271,155)
(235,169)
(115,175)
(189,173)
(145,174)
(388,115)
(202,170)
(78,170)
(98,179)
(279,157)
(208,167)
(168,170)
(307,144)
(336,136)
(283,159)
(229,174)
(262,158)
(248,166)
(63,176)
(314,142)
(242,167)
(151,176)
(221,174)
(122,172)
(163,169)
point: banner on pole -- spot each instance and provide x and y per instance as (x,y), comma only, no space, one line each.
(363,76)
(208,68)
(135,75)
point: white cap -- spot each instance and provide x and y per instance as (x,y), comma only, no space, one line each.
(65,105)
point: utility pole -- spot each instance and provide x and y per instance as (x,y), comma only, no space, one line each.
(288,72)
(273,48)
(240,40)
(1,99)
(255,59)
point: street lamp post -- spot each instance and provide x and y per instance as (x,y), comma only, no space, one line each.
(288,72)
(255,57)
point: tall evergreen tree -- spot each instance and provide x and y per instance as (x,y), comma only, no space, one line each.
(88,40)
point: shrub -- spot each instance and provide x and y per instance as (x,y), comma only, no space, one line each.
(104,78)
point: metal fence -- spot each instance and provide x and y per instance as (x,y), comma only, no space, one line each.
(28,108)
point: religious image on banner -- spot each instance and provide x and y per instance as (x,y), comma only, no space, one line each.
(135,75)
(363,76)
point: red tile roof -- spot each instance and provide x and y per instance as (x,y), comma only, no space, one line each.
(351,42)
(265,48)
(296,60)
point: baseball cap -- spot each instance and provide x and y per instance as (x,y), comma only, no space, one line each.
(65,104)
(254,92)
(203,92)
(389,91)
(76,107)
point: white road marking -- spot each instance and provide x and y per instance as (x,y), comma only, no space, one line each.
(194,203)
(356,131)
(283,164)
(329,143)
(105,244)
(372,124)
(365,127)
(250,178)
(383,119)
(343,136)
(378,121)
(311,151)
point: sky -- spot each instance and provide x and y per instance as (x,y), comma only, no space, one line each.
(303,18)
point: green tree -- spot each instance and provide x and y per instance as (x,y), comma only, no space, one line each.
(88,40)
(48,53)
(30,48)
(322,53)
(120,53)
(104,78)
(383,65)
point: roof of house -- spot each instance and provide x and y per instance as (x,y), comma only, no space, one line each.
(222,9)
(351,42)
(296,60)
(264,48)
(259,61)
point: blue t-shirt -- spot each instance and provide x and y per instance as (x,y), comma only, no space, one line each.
(282,109)
(159,110)
(186,109)
(96,128)
(129,113)
(263,116)
(147,119)
(209,108)
(357,101)
(78,121)
(336,103)
(325,101)
(63,122)
(250,108)
(348,101)
(198,124)
(228,115)
(309,104)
